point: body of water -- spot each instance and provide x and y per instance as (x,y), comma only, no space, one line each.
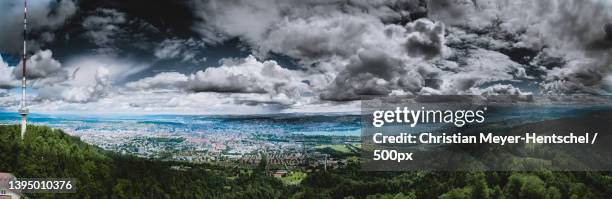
(309,124)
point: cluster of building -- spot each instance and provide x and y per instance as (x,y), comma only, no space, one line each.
(279,151)
(5,191)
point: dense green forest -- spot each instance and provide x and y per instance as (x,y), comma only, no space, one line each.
(46,152)
(51,153)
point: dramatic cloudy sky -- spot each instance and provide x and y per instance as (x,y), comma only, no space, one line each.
(269,56)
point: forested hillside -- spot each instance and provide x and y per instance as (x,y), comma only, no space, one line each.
(101,174)
(51,153)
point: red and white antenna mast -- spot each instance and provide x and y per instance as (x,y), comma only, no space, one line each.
(23,110)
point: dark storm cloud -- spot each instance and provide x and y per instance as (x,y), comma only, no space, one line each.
(358,51)
(45,16)
(348,40)
(103,26)
(380,72)
(585,25)
(116,32)
(338,50)
(577,77)
(171,18)
(372,73)
(450,9)
(569,29)
(302,29)
(134,28)
(428,40)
